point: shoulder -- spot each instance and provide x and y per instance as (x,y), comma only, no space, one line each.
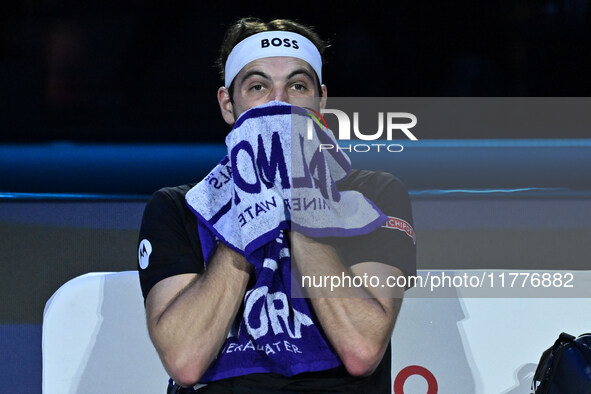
(394,243)
(365,178)
(166,210)
(374,184)
(385,190)
(171,194)
(168,199)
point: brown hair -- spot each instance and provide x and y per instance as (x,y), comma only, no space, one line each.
(247,27)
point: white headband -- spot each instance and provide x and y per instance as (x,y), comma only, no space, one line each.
(268,44)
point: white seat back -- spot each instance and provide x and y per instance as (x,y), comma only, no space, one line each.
(95,338)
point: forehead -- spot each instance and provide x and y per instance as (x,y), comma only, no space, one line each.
(277,67)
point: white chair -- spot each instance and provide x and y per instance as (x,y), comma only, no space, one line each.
(95,338)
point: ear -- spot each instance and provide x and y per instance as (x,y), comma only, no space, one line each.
(324,96)
(226,107)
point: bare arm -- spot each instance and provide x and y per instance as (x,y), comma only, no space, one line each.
(189,316)
(357,321)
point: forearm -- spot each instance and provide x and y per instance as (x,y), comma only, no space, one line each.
(190,329)
(357,321)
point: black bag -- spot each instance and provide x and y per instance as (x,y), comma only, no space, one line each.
(565,368)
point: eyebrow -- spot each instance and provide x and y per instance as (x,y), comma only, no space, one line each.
(301,71)
(265,76)
(254,72)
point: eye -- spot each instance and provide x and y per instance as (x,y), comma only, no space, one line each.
(257,87)
(299,86)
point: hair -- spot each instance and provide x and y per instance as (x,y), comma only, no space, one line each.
(247,27)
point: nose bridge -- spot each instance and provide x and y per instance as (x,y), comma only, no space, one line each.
(280,93)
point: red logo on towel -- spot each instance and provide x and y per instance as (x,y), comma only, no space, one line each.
(402,225)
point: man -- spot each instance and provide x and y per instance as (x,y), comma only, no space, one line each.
(191,310)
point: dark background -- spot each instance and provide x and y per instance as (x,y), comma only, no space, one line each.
(143,71)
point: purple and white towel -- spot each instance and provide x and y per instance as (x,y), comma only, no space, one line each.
(276,178)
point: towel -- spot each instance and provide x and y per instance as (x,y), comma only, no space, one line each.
(276,178)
